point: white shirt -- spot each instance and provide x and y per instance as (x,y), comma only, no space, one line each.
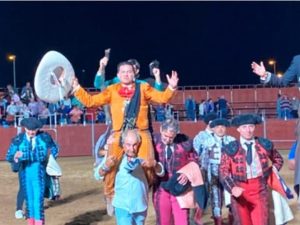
(254,170)
(33,140)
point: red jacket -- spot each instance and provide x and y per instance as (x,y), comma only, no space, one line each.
(233,161)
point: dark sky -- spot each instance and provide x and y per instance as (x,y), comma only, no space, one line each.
(207,42)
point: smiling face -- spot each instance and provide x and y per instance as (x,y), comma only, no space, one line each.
(126,74)
(246,131)
(131,144)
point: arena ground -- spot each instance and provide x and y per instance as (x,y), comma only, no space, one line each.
(82,200)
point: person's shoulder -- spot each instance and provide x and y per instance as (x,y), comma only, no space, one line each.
(202,134)
(181,138)
(297,57)
(229,138)
(141,81)
(265,143)
(18,139)
(231,148)
(46,137)
(113,86)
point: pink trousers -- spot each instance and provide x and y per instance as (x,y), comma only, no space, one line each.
(168,210)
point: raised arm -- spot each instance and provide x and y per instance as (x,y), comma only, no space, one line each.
(165,96)
(90,100)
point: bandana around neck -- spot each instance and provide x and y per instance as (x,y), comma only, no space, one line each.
(126,92)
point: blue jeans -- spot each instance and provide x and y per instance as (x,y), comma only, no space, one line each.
(123,217)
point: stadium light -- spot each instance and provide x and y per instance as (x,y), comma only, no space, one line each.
(12,58)
(272,62)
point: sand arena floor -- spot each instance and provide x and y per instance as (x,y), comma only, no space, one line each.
(82,200)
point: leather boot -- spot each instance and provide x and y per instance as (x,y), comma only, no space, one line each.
(218,220)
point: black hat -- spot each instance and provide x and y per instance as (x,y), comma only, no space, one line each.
(209,117)
(31,123)
(174,187)
(219,121)
(245,119)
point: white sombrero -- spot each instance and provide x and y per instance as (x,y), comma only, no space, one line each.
(53,77)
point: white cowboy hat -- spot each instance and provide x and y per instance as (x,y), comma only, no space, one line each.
(53,77)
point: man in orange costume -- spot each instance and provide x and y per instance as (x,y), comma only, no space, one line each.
(119,96)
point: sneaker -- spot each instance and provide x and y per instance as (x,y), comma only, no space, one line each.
(19,214)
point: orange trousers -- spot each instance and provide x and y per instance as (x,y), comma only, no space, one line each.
(146,152)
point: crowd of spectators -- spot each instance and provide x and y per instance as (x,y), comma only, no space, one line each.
(193,111)
(16,105)
(287,107)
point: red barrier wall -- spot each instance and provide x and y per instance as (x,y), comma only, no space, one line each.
(76,140)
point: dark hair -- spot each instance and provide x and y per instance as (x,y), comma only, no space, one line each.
(124,63)
(135,63)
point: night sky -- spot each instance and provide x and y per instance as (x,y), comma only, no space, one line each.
(206,42)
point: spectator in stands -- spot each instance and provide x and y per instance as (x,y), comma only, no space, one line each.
(278,108)
(63,111)
(222,107)
(23,110)
(75,114)
(100,115)
(10,91)
(285,106)
(67,102)
(209,106)
(169,110)
(27,93)
(52,107)
(12,110)
(190,107)
(1,115)
(201,109)
(160,112)
(3,103)
(44,114)
(90,115)
(294,107)
(33,107)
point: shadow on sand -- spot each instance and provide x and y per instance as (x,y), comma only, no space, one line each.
(90,218)
(72,198)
